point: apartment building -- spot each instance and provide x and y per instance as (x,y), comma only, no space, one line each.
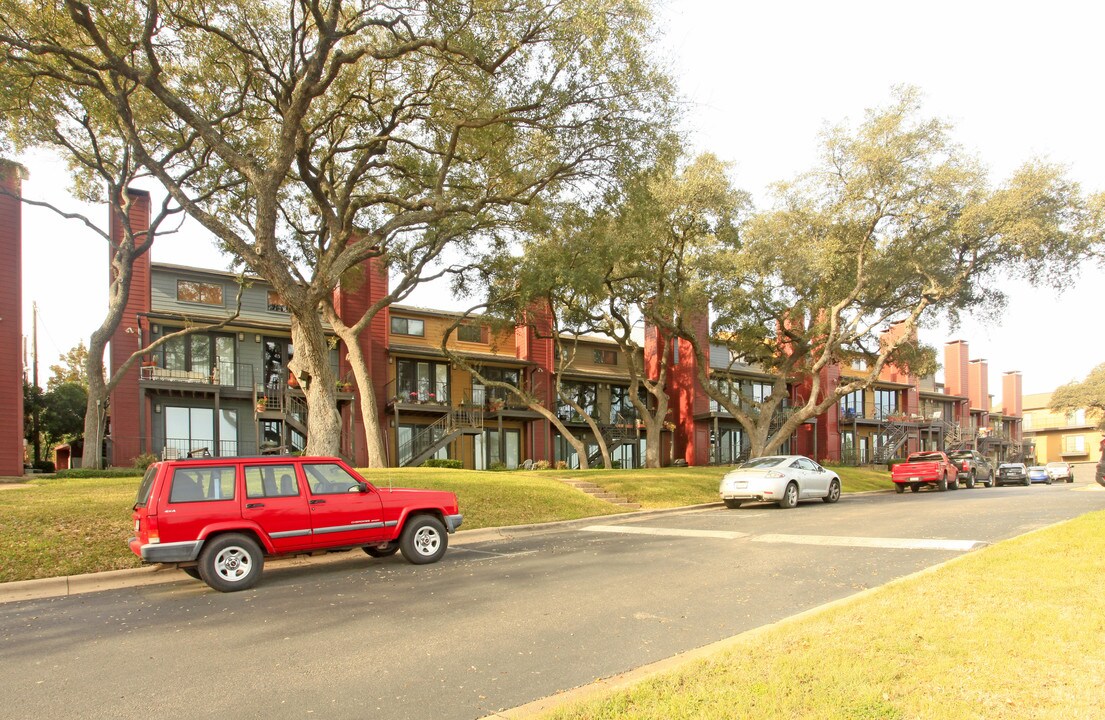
(1059,436)
(228,391)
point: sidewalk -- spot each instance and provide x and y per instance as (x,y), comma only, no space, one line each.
(160,574)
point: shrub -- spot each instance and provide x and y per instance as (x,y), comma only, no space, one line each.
(561,465)
(541,465)
(497,466)
(443,463)
(92,473)
(44,466)
(142,462)
(616,464)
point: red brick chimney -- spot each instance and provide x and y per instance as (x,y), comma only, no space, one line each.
(956,356)
(11,319)
(126,431)
(978,385)
(1011,394)
(351,303)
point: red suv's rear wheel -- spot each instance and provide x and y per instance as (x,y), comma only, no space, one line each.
(231,562)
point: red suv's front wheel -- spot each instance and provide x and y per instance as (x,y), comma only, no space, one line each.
(424,540)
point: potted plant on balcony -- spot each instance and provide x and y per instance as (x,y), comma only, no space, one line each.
(344,386)
(495,404)
(262,403)
(293,381)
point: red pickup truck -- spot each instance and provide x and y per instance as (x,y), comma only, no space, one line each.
(930,467)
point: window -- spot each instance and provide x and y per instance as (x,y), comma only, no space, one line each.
(606,357)
(199,292)
(886,403)
(505,449)
(407,326)
(583,394)
(471,333)
(481,394)
(621,404)
(276,303)
(851,405)
(271,481)
(193,429)
(329,479)
(1026,422)
(206,358)
(859,364)
(1074,444)
(277,353)
(203,484)
(1076,417)
(421,381)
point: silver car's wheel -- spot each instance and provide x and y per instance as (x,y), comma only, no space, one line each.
(834,492)
(790,497)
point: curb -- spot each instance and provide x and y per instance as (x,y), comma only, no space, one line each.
(160,574)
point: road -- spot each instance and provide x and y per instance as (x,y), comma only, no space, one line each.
(494,624)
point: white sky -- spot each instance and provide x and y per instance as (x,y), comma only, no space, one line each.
(1017,80)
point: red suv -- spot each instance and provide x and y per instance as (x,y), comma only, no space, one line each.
(217,518)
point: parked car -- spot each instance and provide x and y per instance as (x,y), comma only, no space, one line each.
(932,468)
(218,518)
(782,479)
(1039,474)
(1060,471)
(973,467)
(1012,473)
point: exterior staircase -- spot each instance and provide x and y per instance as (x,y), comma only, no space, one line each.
(895,434)
(423,444)
(600,493)
(614,436)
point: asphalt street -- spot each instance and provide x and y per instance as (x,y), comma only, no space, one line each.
(494,624)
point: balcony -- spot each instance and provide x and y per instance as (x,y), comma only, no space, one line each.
(227,375)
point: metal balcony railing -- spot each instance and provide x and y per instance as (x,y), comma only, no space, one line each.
(238,376)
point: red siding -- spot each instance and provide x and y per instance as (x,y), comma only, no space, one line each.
(351,306)
(534,342)
(11,323)
(125,430)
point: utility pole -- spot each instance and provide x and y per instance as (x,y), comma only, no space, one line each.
(34,381)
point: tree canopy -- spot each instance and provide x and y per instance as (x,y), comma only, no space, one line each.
(1087,394)
(310,135)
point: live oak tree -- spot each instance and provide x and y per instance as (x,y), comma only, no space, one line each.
(895,225)
(1087,394)
(609,269)
(309,136)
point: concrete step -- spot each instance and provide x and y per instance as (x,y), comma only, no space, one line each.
(600,493)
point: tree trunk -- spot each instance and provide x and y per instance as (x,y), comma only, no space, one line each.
(374,440)
(757,437)
(92,456)
(311,366)
(654,433)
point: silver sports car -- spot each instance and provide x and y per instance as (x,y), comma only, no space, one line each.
(782,479)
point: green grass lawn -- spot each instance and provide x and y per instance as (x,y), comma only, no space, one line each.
(1012,631)
(72,526)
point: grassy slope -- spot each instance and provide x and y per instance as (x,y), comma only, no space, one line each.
(72,526)
(1019,633)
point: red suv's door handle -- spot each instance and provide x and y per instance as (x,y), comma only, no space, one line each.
(318,502)
(254,505)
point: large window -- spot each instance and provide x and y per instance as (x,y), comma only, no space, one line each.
(621,406)
(1074,444)
(192,430)
(730,446)
(482,394)
(583,394)
(415,439)
(200,358)
(199,292)
(492,449)
(407,326)
(886,403)
(605,357)
(276,303)
(851,405)
(421,381)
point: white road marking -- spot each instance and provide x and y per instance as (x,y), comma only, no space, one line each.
(870,542)
(1090,488)
(666,532)
(491,555)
